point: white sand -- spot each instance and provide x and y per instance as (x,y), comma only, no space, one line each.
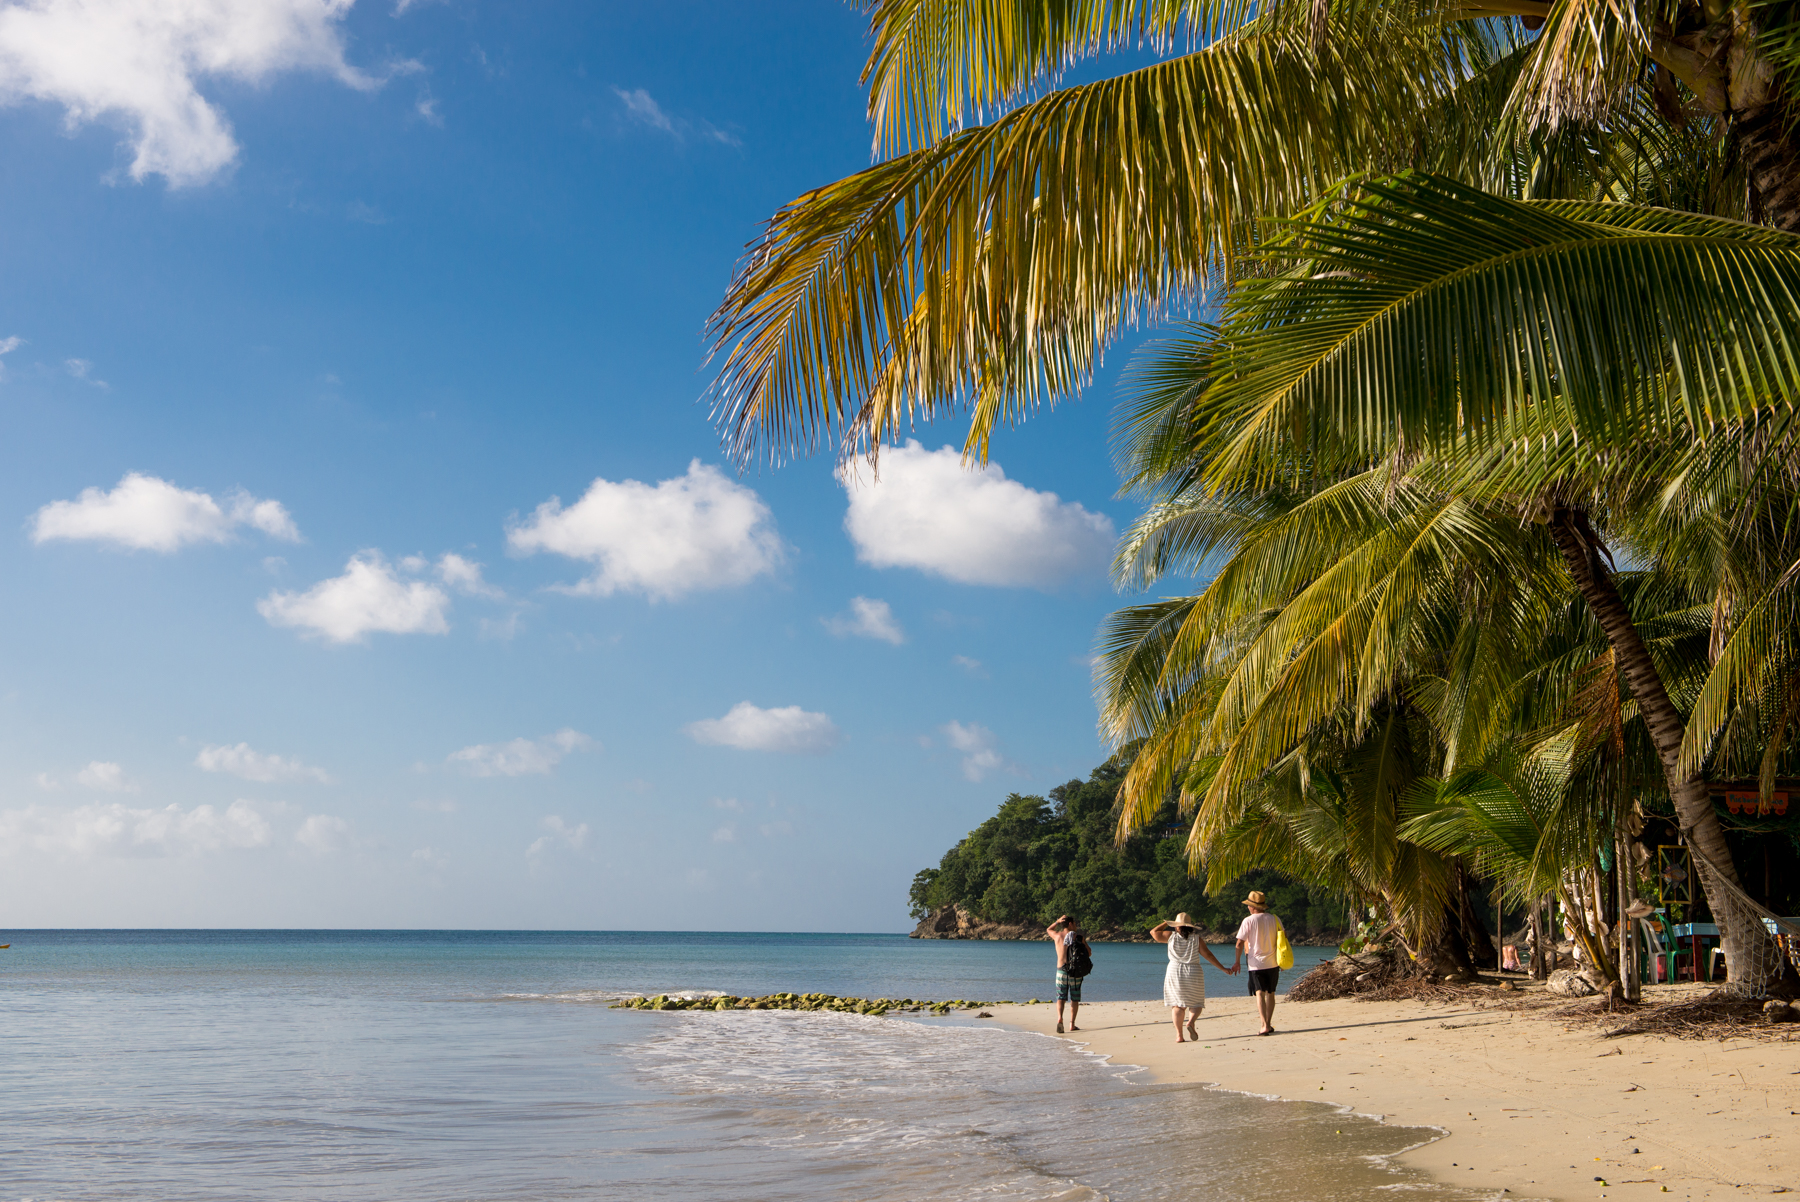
(1530,1105)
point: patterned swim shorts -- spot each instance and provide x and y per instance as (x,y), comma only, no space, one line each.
(1068,988)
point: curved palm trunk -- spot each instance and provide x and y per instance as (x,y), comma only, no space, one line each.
(1771,152)
(1746,942)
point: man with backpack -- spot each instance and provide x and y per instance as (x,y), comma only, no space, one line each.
(1074,960)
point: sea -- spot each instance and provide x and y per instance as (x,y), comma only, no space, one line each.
(462,1065)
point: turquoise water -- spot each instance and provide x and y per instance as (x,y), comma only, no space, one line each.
(487,1065)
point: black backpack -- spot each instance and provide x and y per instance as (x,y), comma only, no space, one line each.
(1080,960)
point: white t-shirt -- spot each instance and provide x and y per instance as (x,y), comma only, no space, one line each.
(1258,933)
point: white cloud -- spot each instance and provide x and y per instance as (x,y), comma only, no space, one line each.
(246,762)
(323,833)
(573,837)
(9,345)
(436,807)
(107,777)
(520,757)
(149,514)
(464,576)
(369,596)
(641,107)
(970,665)
(929,512)
(868,618)
(693,532)
(431,857)
(83,370)
(725,834)
(978,747)
(748,728)
(138,63)
(118,830)
(727,803)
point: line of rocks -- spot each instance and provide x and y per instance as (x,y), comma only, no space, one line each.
(804,1001)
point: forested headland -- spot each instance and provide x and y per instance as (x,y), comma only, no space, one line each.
(1039,857)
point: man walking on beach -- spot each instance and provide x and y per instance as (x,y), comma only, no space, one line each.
(1256,945)
(1071,952)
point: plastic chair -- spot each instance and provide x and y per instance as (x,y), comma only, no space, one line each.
(1665,956)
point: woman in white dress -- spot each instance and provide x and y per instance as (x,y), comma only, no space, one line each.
(1184,983)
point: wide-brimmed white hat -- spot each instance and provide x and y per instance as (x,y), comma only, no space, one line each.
(1181,920)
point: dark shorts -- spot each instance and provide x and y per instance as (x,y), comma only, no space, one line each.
(1262,980)
(1068,988)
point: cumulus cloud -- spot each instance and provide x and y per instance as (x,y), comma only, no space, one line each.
(369,597)
(787,728)
(970,665)
(107,777)
(520,757)
(246,762)
(978,746)
(464,576)
(693,532)
(725,834)
(323,833)
(573,837)
(119,830)
(929,512)
(148,514)
(139,63)
(868,618)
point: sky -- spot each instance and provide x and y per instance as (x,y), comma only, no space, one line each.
(373,561)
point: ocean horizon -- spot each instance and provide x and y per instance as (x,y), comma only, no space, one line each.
(368,1064)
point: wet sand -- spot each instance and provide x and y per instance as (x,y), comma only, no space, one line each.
(1530,1106)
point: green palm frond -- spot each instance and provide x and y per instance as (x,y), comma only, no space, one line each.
(1434,314)
(994,266)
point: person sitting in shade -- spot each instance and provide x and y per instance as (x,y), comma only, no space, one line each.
(1184,983)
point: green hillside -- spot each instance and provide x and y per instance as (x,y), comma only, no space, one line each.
(1043,856)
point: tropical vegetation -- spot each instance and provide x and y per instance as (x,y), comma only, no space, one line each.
(1485,460)
(1040,857)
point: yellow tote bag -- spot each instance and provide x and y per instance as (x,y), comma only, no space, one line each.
(1284,951)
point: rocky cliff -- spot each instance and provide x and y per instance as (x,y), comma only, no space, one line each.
(954,922)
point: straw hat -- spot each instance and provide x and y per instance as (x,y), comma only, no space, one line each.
(1182,920)
(1256,899)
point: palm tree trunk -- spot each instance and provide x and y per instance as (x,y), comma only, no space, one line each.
(1771,153)
(1744,938)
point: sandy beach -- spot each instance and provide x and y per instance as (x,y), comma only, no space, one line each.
(1530,1105)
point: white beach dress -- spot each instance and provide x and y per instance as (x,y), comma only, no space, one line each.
(1184,984)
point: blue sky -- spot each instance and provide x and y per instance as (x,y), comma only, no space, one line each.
(338,336)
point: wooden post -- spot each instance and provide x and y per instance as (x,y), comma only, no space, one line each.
(1628,974)
(1540,951)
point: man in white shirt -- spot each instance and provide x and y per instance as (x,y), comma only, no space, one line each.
(1256,944)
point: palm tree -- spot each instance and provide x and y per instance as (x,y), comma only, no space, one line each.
(1516,346)
(985,267)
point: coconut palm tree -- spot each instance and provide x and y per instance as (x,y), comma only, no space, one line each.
(985,267)
(1564,360)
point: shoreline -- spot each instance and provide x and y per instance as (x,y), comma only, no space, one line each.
(1527,1104)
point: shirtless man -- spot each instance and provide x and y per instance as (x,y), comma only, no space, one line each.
(1065,933)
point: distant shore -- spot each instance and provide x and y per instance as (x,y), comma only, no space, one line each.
(954,922)
(1529,1104)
